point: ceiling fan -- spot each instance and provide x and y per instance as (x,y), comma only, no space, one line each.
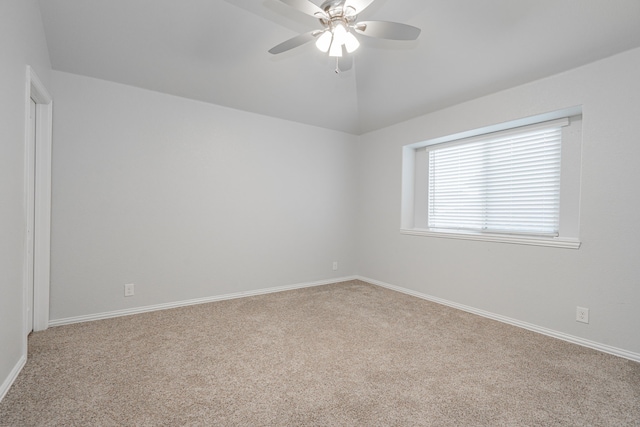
(339,23)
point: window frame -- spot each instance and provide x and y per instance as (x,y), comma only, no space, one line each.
(415,172)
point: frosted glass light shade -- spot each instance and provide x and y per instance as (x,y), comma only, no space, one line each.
(339,34)
(351,42)
(336,48)
(324,41)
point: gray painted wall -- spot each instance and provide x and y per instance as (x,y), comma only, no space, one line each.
(189,200)
(538,285)
(22,43)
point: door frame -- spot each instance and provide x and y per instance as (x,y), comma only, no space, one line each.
(30,194)
(42,202)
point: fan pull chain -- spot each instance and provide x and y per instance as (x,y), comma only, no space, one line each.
(337,67)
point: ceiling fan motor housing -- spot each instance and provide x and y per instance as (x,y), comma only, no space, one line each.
(331,6)
(336,14)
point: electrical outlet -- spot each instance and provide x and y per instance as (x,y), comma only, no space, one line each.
(129,290)
(582,314)
(335,265)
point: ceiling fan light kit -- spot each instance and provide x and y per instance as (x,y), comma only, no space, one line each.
(324,41)
(338,19)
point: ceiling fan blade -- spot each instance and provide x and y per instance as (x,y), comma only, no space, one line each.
(357,5)
(294,42)
(387,30)
(305,6)
(345,63)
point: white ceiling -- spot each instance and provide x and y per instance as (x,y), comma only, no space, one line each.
(216,51)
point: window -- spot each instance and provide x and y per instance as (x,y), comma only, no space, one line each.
(519,184)
(504,184)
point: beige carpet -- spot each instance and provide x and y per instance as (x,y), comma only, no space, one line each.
(349,354)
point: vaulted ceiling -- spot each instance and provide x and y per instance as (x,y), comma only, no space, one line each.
(216,51)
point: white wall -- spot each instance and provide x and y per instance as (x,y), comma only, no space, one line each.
(189,200)
(538,285)
(22,43)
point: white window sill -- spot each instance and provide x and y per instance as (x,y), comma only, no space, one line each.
(556,242)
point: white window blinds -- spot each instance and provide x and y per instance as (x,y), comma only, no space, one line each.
(507,182)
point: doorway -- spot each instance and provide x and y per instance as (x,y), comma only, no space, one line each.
(38,114)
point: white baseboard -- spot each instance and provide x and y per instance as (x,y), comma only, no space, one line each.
(6,385)
(529,326)
(156,307)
